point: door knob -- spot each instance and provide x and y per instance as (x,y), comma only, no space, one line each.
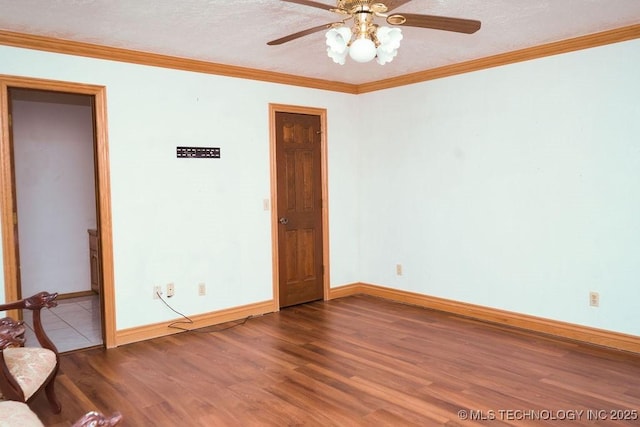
(283,220)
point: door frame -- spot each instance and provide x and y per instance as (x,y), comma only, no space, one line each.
(103,189)
(322,113)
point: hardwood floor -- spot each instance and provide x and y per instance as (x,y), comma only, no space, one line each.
(355,361)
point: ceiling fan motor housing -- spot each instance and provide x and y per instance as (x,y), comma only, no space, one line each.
(353,6)
(350,4)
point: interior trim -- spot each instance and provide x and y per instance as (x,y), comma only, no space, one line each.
(10,261)
(49,44)
(79,294)
(585,334)
(9,256)
(157,330)
(322,113)
(564,46)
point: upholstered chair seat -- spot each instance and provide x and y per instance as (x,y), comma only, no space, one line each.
(18,414)
(30,367)
(27,369)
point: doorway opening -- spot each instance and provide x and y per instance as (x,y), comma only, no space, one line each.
(56,220)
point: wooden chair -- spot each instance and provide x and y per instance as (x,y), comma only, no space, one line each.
(24,371)
(18,414)
(96,419)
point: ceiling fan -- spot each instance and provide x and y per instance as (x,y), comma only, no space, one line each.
(366,40)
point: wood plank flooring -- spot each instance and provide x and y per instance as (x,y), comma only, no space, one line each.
(354,361)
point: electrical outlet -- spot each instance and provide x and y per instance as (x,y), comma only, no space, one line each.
(202,289)
(398,269)
(157,291)
(170,290)
(594,299)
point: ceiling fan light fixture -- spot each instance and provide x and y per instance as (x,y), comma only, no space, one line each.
(366,40)
(362,49)
(338,44)
(382,56)
(389,39)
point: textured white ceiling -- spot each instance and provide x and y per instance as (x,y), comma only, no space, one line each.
(236,32)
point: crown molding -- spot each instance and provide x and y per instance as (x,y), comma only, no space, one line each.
(49,44)
(564,46)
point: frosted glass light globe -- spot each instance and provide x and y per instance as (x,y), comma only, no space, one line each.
(389,39)
(337,39)
(362,50)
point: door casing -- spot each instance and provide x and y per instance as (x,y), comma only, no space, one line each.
(7,207)
(322,113)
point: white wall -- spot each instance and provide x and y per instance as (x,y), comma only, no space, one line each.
(193,220)
(54,171)
(515,187)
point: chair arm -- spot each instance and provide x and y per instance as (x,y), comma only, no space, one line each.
(95,419)
(41,300)
(36,303)
(11,333)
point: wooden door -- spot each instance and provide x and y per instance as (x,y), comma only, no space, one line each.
(299,208)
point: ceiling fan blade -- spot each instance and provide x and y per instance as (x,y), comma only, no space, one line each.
(394,4)
(301,34)
(311,3)
(467,26)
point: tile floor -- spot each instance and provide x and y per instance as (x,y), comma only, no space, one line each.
(74,324)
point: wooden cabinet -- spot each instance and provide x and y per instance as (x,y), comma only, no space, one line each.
(94,259)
